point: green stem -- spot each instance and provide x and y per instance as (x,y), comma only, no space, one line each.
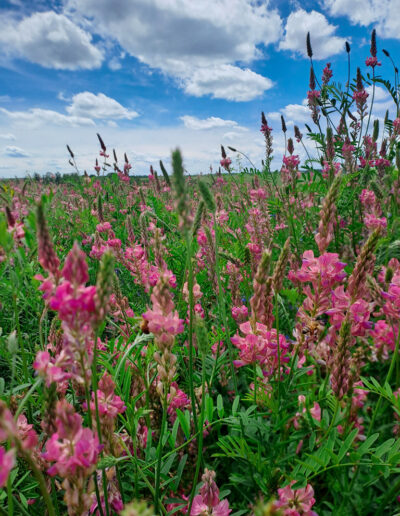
(372,100)
(222,308)
(40,478)
(377,407)
(200,447)
(191,315)
(96,403)
(255,382)
(159,455)
(10,497)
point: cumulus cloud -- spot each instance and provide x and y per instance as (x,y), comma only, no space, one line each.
(15,152)
(35,117)
(50,40)
(199,44)
(89,105)
(227,82)
(324,41)
(85,107)
(7,136)
(212,122)
(293,113)
(383,13)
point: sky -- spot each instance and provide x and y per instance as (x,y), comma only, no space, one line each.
(153,75)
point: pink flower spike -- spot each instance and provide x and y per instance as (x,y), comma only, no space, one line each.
(7,462)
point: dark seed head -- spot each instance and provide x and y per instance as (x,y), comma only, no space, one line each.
(309,47)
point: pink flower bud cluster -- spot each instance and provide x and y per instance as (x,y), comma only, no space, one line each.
(207,502)
(296,502)
(372,218)
(259,346)
(74,452)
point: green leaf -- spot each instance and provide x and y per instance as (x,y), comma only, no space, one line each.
(235,405)
(385,447)
(185,425)
(366,445)
(179,471)
(347,444)
(220,406)
(209,409)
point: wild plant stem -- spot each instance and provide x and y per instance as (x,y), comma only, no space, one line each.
(191,315)
(222,308)
(159,455)
(200,445)
(377,407)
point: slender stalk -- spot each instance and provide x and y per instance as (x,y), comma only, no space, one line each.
(10,497)
(200,446)
(191,315)
(372,101)
(40,479)
(255,382)
(377,407)
(222,308)
(159,456)
(96,403)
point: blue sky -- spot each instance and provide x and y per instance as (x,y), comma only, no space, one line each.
(150,75)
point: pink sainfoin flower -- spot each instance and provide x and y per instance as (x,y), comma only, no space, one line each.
(78,310)
(103,227)
(327,74)
(7,462)
(372,62)
(360,95)
(73,449)
(109,405)
(325,271)
(296,502)
(372,218)
(383,338)
(396,126)
(164,322)
(53,370)
(74,452)
(392,306)
(360,312)
(259,345)
(163,319)
(240,313)
(97,167)
(373,222)
(312,97)
(315,411)
(207,503)
(178,401)
(225,163)
(368,199)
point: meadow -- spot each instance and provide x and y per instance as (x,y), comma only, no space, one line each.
(210,345)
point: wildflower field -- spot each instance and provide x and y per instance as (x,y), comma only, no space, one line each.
(214,345)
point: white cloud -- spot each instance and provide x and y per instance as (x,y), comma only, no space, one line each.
(383,13)
(50,40)
(15,152)
(323,39)
(192,122)
(85,107)
(380,93)
(36,116)
(196,43)
(7,136)
(293,113)
(89,105)
(227,82)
